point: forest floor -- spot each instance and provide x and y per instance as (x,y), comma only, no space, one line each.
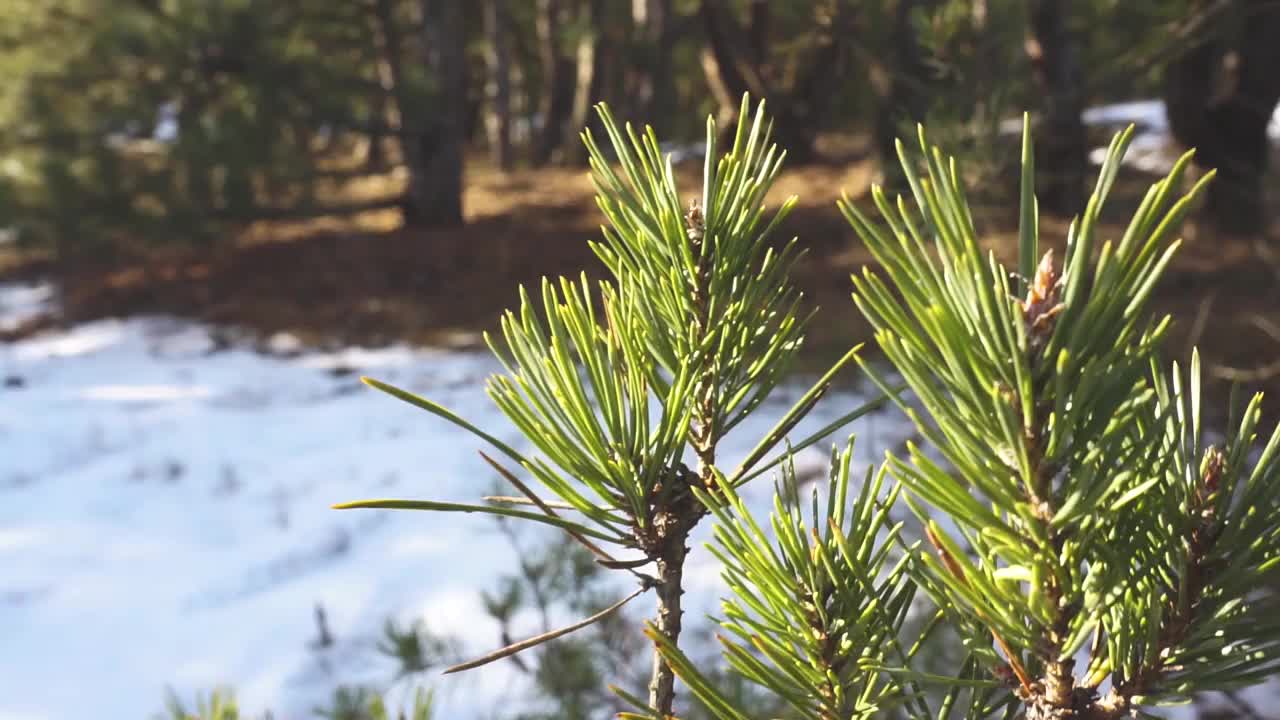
(366,281)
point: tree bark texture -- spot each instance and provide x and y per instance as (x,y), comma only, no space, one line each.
(670,567)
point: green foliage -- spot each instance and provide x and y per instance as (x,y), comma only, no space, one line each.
(696,331)
(220,704)
(267,98)
(817,605)
(1203,538)
(1099,518)
(965,101)
(1070,502)
(568,674)
(241,90)
(696,328)
(415,648)
(361,703)
(347,703)
(708,282)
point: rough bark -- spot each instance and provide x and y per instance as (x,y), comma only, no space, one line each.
(1220,95)
(1063,156)
(498,55)
(670,568)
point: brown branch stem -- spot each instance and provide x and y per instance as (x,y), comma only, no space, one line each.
(679,510)
(1056,695)
(1181,614)
(670,573)
(536,640)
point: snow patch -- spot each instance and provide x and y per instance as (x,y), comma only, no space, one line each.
(1152,148)
(165,517)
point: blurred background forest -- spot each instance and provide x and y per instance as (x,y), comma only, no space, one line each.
(368,172)
(259,162)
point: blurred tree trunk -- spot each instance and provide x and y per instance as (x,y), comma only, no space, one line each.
(1220,95)
(1063,156)
(736,60)
(498,53)
(555,101)
(587,85)
(905,99)
(434,145)
(390,100)
(191,150)
(380,99)
(653,89)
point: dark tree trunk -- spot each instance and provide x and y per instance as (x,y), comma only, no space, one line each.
(392,99)
(735,61)
(728,62)
(381,97)
(434,197)
(556,99)
(192,152)
(497,30)
(1220,95)
(652,90)
(1190,87)
(905,100)
(1063,156)
(587,85)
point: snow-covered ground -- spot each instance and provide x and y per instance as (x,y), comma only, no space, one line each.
(165,521)
(1152,148)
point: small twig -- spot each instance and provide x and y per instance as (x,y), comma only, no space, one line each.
(516,647)
(1263,250)
(1257,374)
(1250,375)
(953,567)
(1266,326)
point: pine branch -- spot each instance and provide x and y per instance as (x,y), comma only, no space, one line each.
(670,569)
(700,324)
(674,523)
(1042,406)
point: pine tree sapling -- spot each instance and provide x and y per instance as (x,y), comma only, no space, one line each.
(1092,553)
(817,610)
(617,385)
(1100,557)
